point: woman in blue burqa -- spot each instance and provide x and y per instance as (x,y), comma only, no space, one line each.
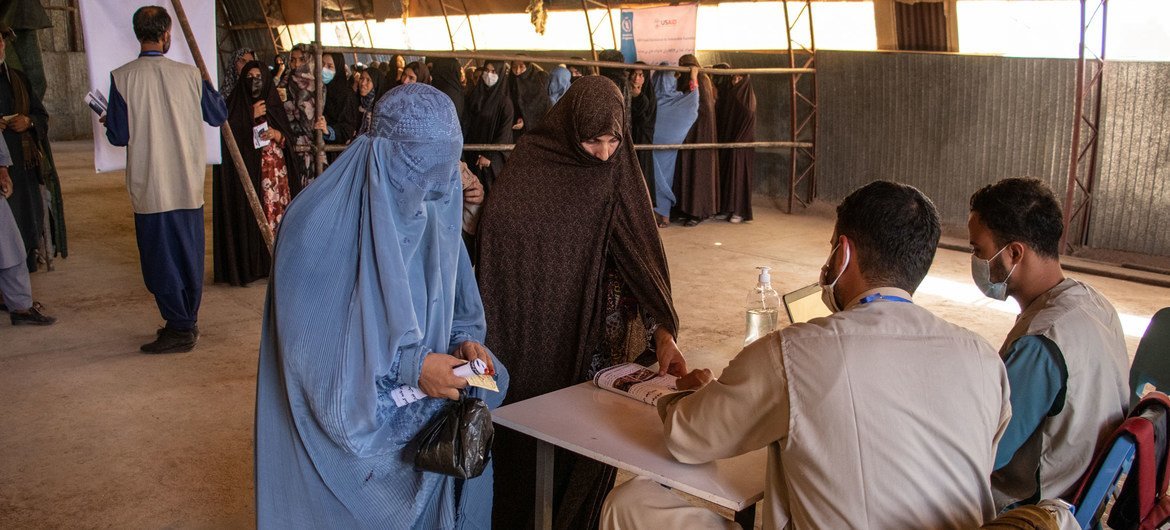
(371,290)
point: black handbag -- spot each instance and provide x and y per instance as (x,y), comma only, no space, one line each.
(458,441)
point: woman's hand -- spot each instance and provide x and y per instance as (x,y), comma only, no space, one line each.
(20,123)
(259,109)
(471,350)
(321,125)
(670,359)
(438,377)
(472,188)
(274,135)
(694,380)
(5,183)
(483,162)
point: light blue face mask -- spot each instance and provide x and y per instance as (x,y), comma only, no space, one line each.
(981,274)
(327,75)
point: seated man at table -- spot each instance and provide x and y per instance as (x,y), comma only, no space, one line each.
(1066,357)
(881,415)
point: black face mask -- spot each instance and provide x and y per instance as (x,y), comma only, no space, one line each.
(255,86)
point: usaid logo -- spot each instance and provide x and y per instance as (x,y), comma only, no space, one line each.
(627,25)
(665,23)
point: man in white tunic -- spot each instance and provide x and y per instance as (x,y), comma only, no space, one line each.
(1065,357)
(881,415)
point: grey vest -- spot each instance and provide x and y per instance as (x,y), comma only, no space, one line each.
(895,415)
(1084,325)
(166,157)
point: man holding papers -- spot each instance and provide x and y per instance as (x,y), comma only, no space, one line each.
(881,415)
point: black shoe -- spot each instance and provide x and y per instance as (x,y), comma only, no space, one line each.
(171,341)
(35,316)
(194,330)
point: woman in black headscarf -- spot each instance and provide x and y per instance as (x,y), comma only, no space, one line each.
(617,75)
(643,112)
(489,120)
(445,76)
(241,256)
(574,279)
(736,113)
(696,181)
(529,86)
(369,90)
(416,72)
(340,120)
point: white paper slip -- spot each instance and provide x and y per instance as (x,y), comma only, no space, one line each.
(473,372)
(257,140)
(405,395)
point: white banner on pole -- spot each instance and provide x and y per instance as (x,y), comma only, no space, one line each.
(110,43)
(656,35)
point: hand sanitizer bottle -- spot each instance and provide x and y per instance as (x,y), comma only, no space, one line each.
(763,308)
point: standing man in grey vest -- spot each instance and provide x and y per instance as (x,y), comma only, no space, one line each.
(1065,357)
(156,106)
(881,415)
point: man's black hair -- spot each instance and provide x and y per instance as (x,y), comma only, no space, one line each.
(1024,210)
(895,231)
(150,23)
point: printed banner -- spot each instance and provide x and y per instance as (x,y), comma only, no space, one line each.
(110,43)
(656,35)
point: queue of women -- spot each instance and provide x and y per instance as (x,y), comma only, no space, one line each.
(387,273)
(496,103)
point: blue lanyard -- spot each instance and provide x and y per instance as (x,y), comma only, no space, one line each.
(878,296)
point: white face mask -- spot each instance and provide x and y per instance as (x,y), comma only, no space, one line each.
(491,78)
(981,274)
(828,291)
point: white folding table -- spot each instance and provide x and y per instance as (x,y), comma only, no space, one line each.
(627,434)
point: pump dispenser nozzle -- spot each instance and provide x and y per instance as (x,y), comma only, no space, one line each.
(765,275)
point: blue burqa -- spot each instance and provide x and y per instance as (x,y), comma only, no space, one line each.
(558,83)
(677,112)
(370,275)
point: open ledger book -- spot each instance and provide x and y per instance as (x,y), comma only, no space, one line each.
(636,381)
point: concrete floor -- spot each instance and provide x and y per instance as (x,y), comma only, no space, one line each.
(94,434)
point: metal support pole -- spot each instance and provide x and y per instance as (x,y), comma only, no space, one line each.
(1082,170)
(569,61)
(470,28)
(589,28)
(228,138)
(348,32)
(319,142)
(447,21)
(638,147)
(798,101)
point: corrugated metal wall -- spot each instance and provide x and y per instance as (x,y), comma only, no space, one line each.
(951,124)
(943,123)
(1132,208)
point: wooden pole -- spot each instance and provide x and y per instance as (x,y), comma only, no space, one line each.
(228,137)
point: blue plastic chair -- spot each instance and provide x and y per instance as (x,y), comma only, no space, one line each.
(1151,364)
(1116,464)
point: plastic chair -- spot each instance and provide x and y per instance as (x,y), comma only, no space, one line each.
(1151,364)
(1138,450)
(1115,464)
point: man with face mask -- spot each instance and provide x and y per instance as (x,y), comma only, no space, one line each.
(1065,357)
(881,415)
(156,106)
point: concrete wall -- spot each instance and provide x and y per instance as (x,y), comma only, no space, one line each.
(68,82)
(67,77)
